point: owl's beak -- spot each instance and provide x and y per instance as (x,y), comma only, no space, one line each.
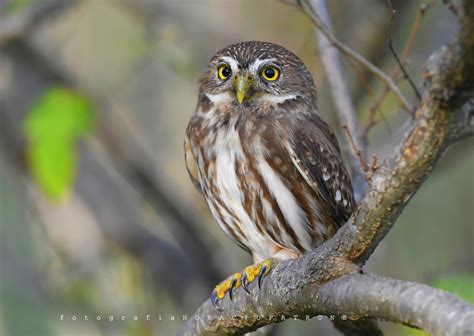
(242,84)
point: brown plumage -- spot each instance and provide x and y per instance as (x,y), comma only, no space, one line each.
(268,165)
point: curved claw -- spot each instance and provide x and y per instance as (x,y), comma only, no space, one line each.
(245,283)
(215,300)
(231,289)
(261,274)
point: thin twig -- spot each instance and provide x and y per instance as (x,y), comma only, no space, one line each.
(373,167)
(356,150)
(371,116)
(396,70)
(314,17)
(423,9)
(368,170)
(395,55)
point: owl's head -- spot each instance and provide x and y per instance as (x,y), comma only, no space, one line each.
(252,72)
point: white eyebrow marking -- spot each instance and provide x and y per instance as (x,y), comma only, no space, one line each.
(255,65)
(234,65)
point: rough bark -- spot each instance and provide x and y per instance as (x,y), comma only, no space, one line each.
(347,298)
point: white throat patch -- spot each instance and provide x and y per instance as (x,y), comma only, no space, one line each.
(224,97)
(275,99)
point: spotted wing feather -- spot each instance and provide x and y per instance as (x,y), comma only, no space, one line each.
(316,154)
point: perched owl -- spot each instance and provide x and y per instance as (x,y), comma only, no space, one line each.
(269,167)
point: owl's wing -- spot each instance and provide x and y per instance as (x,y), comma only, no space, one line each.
(191,164)
(315,152)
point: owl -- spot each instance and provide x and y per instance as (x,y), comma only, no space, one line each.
(268,165)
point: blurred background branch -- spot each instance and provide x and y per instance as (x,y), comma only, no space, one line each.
(340,93)
(314,16)
(17,26)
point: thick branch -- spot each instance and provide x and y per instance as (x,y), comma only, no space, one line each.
(443,114)
(297,286)
(350,297)
(399,301)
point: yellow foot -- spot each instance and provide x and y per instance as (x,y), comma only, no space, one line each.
(250,273)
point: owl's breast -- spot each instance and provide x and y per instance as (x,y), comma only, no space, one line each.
(225,166)
(252,188)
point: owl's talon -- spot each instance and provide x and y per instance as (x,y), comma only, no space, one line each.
(257,271)
(232,287)
(261,274)
(215,300)
(250,273)
(245,283)
(228,285)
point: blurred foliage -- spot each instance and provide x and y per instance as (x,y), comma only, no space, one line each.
(461,284)
(22,310)
(20,307)
(15,5)
(52,126)
(103,54)
(177,57)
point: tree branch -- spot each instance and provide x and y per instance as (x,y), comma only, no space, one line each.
(356,56)
(401,66)
(377,101)
(299,286)
(350,297)
(440,118)
(346,111)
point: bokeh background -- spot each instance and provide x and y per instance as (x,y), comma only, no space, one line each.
(97,214)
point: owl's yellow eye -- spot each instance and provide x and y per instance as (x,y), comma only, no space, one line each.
(270,73)
(224,72)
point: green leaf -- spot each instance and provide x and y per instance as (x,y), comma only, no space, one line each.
(461,284)
(52,126)
(53,165)
(60,114)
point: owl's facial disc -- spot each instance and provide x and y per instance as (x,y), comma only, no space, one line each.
(257,73)
(257,79)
